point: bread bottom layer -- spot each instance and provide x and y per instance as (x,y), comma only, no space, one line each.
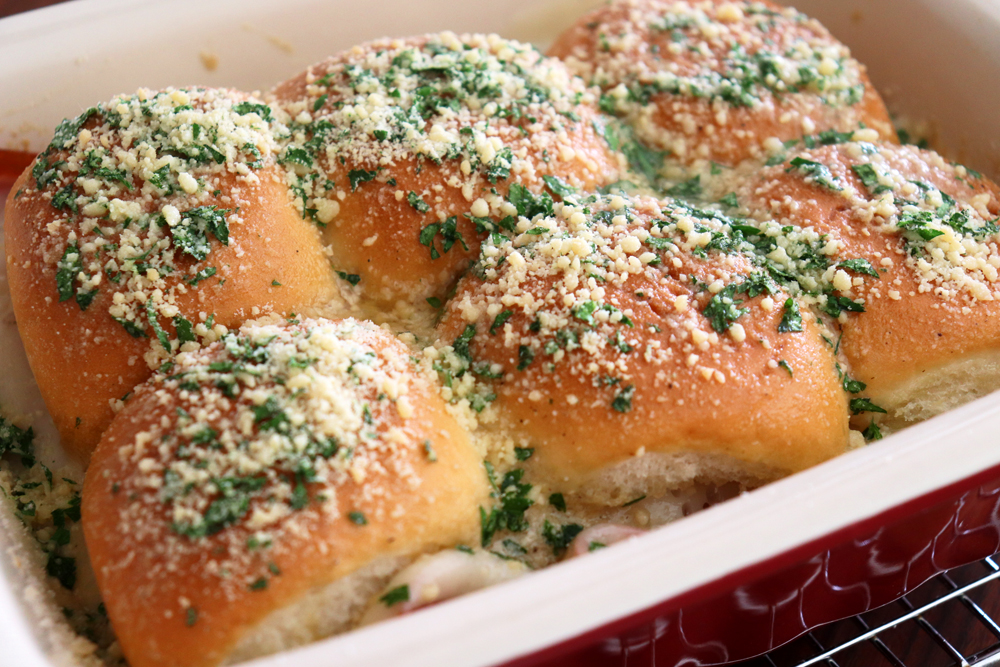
(322,612)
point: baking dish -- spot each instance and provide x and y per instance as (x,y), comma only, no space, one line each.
(724,584)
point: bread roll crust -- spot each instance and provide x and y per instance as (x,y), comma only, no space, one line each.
(934,302)
(651,367)
(93,315)
(713,80)
(182,590)
(433,131)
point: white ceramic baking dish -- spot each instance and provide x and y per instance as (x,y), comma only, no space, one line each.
(913,500)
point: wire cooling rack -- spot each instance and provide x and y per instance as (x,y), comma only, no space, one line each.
(942,623)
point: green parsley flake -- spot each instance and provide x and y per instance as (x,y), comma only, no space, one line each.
(869,178)
(859,265)
(352,278)
(429,451)
(396,595)
(417,202)
(359,176)
(499,321)
(872,432)
(859,405)
(558,187)
(819,173)
(560,538)
(791,320)
(623,399)
(635,500)
(557,501)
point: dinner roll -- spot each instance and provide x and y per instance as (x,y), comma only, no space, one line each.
(715,79)
(635,352)
(151,222)
(256,496)
(925,232)
(405,151)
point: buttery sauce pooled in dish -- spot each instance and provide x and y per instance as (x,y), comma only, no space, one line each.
(443,310)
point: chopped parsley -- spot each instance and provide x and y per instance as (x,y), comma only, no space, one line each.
(791,320)
(523,453)
(529,205)
(872,431)
(262,110)
(204,274)
(558,187)
(730,200)
(918,222)
(869,178)
(417,202)
(429,451)
(447,230)
(835,305)
(859,265)
(191,233)
(723,308)
(818,172)
(499,321)
(461,344)
(396,595)
(688,189)
(623,399)
(525,356)
(859,405)
(557,501)
(359,176)
(513,502)
(853,386)
(560,538)
(635,500)
(351,278)
(67,272)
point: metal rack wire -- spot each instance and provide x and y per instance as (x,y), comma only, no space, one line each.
(939,624)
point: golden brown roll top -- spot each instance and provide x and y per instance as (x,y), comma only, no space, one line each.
(925,234)
(151,223)
(405,150)
(715,79)
(613,329)
(261,469)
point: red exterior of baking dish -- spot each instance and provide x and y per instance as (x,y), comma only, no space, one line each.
(847,572)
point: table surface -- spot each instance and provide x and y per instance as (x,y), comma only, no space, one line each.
(914,645)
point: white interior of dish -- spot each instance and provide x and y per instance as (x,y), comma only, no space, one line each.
(937,61)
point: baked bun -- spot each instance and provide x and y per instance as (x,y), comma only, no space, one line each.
(925,231)
(151,223)
(406,151)
(255,498)
(635,354)
(714,79)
